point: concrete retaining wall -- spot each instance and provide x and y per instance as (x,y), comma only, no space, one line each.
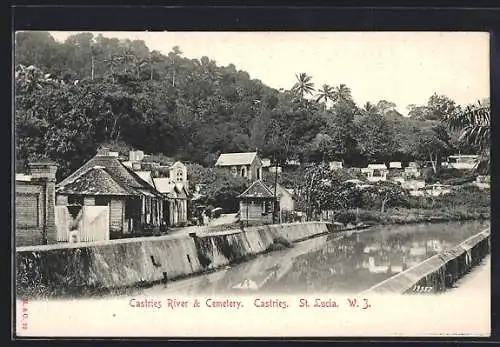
(439,272)
(87,268)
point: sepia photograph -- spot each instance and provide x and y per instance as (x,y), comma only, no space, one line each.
(280,183)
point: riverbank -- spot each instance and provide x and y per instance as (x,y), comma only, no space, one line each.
(411,216)
(86,269)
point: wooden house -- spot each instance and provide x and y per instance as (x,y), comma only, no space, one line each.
(257,203)
(247,165)
(134,205)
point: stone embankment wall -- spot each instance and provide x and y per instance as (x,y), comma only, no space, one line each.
(439,272)
(88,268)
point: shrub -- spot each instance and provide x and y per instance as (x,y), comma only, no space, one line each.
(279,243)
(345,217)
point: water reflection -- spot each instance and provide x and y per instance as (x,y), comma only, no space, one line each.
(331,264)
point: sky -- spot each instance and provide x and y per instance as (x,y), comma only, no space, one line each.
(401,67)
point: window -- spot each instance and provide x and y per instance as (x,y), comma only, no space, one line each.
(243,172)
(180,175)
(266,207)
(259,172)
(234,171)
(102,200)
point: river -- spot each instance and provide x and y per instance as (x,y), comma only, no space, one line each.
(329,264)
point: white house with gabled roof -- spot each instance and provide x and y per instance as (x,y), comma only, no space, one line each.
(245,164)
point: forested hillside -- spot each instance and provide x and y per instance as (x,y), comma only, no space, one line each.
(74,96)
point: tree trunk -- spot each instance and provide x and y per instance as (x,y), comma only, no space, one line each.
(275,189)
(433,163)
(93,67)
(384,201)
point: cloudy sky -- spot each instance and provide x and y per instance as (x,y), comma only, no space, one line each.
(402,67)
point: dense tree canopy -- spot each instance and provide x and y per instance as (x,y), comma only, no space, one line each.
(73,96)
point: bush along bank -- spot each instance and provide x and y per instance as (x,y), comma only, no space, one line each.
(410,216)
(463,203)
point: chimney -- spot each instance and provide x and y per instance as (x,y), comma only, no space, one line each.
(103,151)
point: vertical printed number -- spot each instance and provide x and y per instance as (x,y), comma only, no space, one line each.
(24,314)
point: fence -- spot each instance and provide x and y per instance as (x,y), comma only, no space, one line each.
(90,222)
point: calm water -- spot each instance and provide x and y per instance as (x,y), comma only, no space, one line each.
(326,264)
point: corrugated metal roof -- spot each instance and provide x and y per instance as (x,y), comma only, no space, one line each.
(230,159)
(377,166)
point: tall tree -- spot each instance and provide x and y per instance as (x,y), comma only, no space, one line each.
(343,93)
(326,94)
(304,86)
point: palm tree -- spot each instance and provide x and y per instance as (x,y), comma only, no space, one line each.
(304,85)
(326,94)
(343,93)
(369,108)
(474,125)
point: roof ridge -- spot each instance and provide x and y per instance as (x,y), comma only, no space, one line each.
(75,175)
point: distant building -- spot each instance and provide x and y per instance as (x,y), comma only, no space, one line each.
(266,162)
(175,201)
(411,171)
(247,165)
(176,171)
(463,162)
(395,165)
(335,165)
(375,172)
(292,162)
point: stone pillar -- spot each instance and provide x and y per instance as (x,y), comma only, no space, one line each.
(45,173)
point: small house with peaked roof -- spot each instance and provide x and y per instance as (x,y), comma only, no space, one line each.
(257,203)
(134,205)
(175,201)
(246,164)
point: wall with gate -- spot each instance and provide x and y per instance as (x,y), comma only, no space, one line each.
(34,206)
